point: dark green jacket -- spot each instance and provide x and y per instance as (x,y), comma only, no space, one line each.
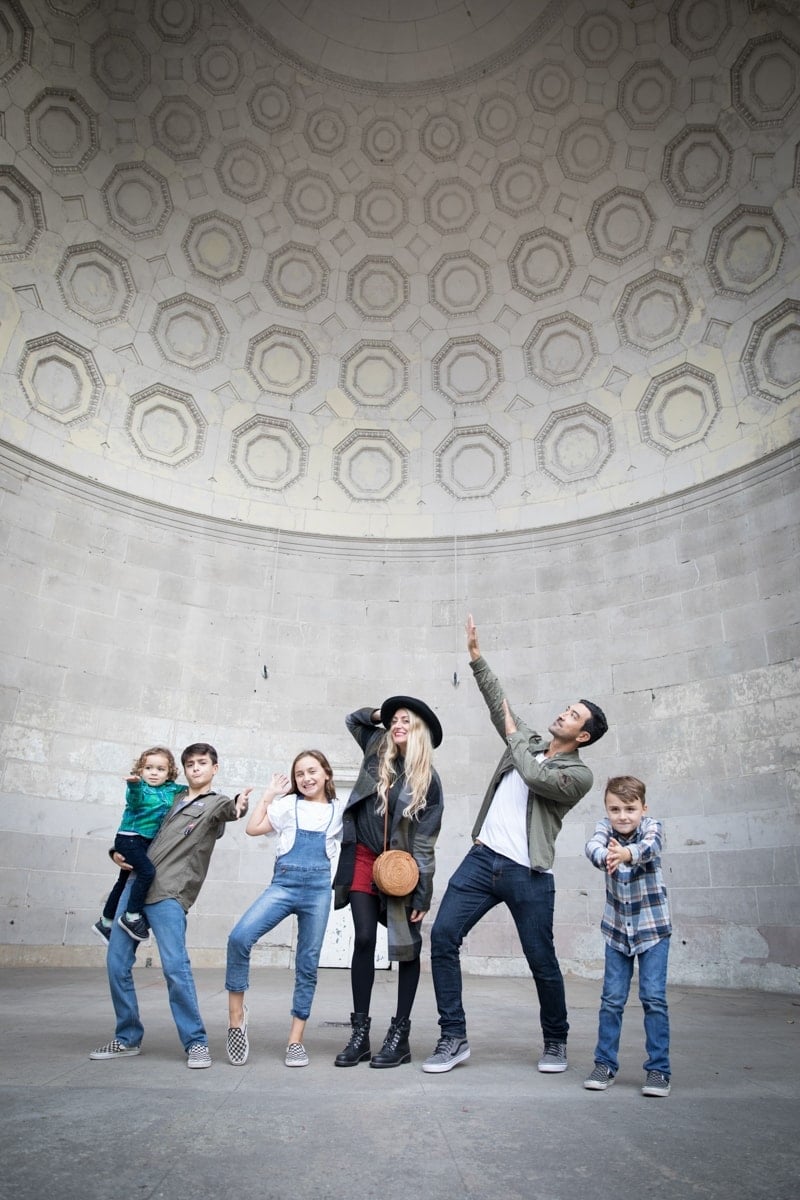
(554,785)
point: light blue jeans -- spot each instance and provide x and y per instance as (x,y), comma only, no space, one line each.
(301,885)
(168,923)
(653,996)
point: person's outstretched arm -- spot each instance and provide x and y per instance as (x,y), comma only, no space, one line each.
(259,822)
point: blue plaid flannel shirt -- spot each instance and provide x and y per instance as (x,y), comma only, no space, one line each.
(636,915)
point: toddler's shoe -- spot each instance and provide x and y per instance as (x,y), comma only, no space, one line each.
(139,930)
(102,931)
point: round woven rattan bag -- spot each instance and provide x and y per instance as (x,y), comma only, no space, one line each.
(395,872)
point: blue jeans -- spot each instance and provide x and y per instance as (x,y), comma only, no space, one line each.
(305,891)
(168,923)
(484,880)
(653,995)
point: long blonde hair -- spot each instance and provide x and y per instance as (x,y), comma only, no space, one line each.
(417,762)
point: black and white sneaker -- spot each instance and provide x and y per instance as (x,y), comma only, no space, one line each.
(198,1056)
(296,1055)
(449,1052)
(600,1079)
(656,1084)
(238,1045)
(102,931)
(114,1049)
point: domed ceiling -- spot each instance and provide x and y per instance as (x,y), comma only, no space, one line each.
(397,45)
(399,269)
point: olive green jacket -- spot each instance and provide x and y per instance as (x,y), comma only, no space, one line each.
(555,785)
(181,850)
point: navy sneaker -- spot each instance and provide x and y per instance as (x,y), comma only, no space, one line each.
(138,929)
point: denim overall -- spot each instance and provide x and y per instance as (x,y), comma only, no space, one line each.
(301,885)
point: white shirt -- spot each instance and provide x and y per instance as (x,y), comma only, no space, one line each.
(505,826)
(311,816)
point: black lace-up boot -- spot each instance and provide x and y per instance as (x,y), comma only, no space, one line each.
(395,1049)
(357,1049)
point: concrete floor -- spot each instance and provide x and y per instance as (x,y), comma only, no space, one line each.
(494,1127)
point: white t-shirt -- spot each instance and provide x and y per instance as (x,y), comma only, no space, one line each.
(311,816)
(505,826)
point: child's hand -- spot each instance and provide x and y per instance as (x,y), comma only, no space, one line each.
(133,779)
(281,784)
(616,856)
(242,801)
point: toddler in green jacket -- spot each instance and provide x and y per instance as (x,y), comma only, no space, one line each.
(151,789)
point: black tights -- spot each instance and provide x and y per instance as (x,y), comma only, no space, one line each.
(365,911)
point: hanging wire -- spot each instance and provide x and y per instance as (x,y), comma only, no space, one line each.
(455,604)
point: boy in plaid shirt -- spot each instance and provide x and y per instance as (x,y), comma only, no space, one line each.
(626,844)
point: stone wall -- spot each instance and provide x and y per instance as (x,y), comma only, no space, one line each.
(129,623)
(321,324)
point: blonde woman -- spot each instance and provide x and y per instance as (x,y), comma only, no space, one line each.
(397,741)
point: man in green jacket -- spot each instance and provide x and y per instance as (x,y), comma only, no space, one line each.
(534,785)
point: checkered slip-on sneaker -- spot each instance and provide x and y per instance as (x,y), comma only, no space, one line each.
(600,1079)
(237,1044)
(198,1056)
(296,1055)
(114,1049)
(656,1084)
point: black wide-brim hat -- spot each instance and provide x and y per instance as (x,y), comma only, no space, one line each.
(419,707)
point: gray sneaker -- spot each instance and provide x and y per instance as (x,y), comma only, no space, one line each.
(656,1084)
(198,1056)
(114,1049)
(554,1058)
(449,1052)
(601,1078)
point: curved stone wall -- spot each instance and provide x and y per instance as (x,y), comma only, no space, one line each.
(128,623)
(318,330)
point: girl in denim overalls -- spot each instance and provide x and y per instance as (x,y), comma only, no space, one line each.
(302,809)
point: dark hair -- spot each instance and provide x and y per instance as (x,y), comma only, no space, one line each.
(199,748)
(627,787)
(330,789)
(597,724)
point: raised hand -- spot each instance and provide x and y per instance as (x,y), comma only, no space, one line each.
(472,638)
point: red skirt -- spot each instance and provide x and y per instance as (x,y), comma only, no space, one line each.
(362,873)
